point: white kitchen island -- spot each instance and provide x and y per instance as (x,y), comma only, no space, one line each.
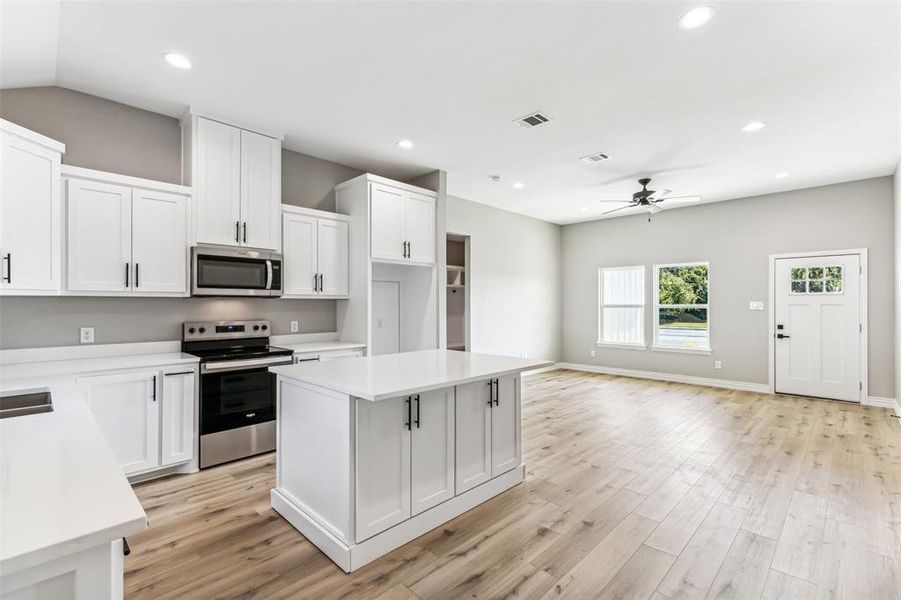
(375,451)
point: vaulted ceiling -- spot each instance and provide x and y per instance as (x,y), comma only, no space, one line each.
(346,80)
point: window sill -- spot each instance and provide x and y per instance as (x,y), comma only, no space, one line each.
(703,351)
(622,346)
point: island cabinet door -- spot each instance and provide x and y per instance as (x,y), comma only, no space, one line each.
(433,449)
(506,445)
(473,435)
(382,465)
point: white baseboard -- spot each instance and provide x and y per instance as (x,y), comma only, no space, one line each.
(541,370)
(744,386)
(884,403)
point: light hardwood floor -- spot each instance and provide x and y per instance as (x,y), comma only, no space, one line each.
(635,489)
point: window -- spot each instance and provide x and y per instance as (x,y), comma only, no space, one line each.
(621,300)
(681,320)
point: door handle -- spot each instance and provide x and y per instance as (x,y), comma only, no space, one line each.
(9,267)
(780,336)
(418,408)
(409,404)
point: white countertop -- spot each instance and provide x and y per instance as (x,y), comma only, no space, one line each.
(313,347)
(53,368)
(392,375)
(62,489)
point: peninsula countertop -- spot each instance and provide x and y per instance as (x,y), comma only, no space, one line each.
(391,375)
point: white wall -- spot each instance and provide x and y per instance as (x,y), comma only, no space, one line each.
(736,237)
(514,270)
(897,222)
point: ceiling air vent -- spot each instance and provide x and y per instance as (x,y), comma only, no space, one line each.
(594,158)
(532,120)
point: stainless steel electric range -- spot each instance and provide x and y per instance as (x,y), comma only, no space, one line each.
(237,391)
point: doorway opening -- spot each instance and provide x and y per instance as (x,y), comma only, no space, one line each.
(818,324)
(458,292)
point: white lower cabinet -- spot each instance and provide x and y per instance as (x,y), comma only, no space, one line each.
(488,441)
(147,416)
(432,454)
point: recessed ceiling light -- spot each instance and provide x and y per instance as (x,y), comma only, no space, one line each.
(176,60)
(781,174)
(405,144)
(696,17)
(753,126)
(519,185)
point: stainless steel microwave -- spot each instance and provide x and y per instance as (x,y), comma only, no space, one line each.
(219,271)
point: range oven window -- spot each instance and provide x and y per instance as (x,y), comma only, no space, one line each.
(225,272)
(236,398)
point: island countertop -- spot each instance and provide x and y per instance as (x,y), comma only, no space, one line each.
(391,375)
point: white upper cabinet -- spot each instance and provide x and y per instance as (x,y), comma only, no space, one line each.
(315,253)
(124,235)
(217,183)
(402,225)
(99,236)
(159,241)
(30,212)
(236,175)
(261,190)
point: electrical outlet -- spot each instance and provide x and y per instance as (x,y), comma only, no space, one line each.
(717,364)
(86,335)
(524,355)
(294,326)
(592,353)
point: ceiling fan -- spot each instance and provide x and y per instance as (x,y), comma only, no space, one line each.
(649,199)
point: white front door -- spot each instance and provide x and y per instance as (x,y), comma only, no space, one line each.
(818,326)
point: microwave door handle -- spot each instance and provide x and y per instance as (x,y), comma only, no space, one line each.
(268,274)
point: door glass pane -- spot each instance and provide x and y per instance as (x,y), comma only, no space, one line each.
(799,273)
(683,328)
(834,272)
(815,273)
(815,287)
(833,286)
(799,287)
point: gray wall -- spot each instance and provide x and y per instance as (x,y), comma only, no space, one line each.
(109,136)
(737,238)
(515,293)
(897,224)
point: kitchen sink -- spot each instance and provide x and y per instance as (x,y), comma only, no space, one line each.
(18,403)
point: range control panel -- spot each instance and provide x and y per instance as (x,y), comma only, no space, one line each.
(224,330)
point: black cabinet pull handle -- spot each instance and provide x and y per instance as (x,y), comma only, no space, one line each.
(154,388)
(178,373)
(409,414)
(490,392)
(417,411)
(137,278)
(237,231)
(497,394)
(127,269)
(245,232)
(315,283)
(409,249)
(9,267)
(126,550)
(321,284)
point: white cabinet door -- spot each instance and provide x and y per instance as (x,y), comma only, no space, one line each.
(432,453)
(261,190)
(333,252)
(506,447)
(299,254)
(420,228)
(159,241)
(99,236)
(126,409)
(382,466)
(336,354)
(217,183)
(387,210)
(177,414)
(30,216)
(473,437)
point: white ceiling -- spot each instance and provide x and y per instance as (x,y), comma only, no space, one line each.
(346,80)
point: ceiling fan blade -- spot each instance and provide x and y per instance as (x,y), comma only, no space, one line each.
(618,201)
(680,199)
(620,208)
(654,209)
(659,194)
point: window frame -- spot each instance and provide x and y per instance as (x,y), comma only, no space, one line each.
(655,345)
(643,345)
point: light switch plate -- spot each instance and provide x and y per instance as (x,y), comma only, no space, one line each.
(755,305)
(86,335)
(294,326)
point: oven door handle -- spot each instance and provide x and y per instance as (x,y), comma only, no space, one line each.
(268,274)
(243,365)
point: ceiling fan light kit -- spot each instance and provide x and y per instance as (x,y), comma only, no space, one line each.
(649,199)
